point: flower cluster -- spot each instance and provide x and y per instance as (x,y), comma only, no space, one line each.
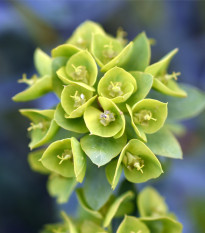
(105,113)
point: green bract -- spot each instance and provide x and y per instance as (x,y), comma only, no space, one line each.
(106,122)
(164,82)
(102,114)
(66,158)
(117,85)
(42,128)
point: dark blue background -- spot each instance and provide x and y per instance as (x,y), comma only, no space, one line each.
(24,25)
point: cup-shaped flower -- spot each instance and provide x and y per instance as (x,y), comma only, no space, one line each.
(147,116)
(42,128)
(105,48)
(81,69)
(66,158)
(75,99)
(82,36)
(163,82)
(107,121)
(138,162)
(117,85)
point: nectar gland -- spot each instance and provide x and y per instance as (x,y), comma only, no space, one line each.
(115,89)
(80,73)
(79,99)
(133,162)
(143,117)
(106,117)
(66,155)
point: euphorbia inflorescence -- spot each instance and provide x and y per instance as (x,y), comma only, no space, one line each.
(105,113)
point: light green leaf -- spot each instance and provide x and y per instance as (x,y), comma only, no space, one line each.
(72,124)
(35,164)
(69,223)
(164,143)
(151,204)
(85,205)
(96,188)
(42,62)
(139,58)
(61,187)
(115,206)
(41,87)
(81,37)
(162,224)
(65,50)
(101,150)
(91,227)
(132,225)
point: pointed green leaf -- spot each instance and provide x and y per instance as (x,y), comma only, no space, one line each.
(115,206)
(162,224)
(76,124)
(42,62)
(96,188)
(35,164)
(105,124)
(113,174)
(79,160)
(69,223)
(41,87)
(132,225)
(91,227)
(117,85)
(139,57)
(81,37)
(164,143)
(61,187)
(85,205)
(101,150)
(151,204)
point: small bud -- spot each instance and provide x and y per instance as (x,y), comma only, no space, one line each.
(133,162)
(30,81)
(41,125)
(108,52)
(165,78)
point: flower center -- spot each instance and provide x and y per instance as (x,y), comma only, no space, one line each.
(108,52)
(106,117)
(43,125)
(143,117)
(165,78)
(115,89)
(133,162)
(80,73)
(66,155)
(79,99)
(30,81)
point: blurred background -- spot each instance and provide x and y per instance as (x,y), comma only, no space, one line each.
(24,25)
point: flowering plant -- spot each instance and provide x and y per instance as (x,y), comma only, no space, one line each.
(110,118)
